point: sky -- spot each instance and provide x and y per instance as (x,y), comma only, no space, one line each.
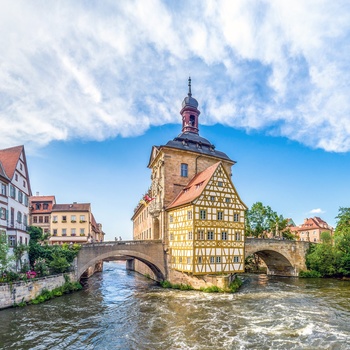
(88,87)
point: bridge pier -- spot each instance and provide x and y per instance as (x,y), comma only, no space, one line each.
(130,265)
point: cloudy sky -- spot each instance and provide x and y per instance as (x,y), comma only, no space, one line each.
(89,86)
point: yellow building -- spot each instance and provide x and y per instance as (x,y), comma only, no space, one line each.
(206,225)
(192,205)
(74,223)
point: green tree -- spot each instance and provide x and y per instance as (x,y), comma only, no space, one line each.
(18,252)
(342,241)
(258,220)
(5,257)
(322,258)
(59,263)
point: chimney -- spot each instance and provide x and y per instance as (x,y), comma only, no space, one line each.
(37,193)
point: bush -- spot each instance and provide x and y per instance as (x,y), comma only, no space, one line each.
(235,285)
(309,274)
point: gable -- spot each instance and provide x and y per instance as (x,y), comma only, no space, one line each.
(220,191)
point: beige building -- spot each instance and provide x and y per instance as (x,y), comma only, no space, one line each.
(192,205)
(311,230)
(66,223)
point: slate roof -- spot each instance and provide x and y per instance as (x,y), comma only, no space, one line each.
(189,141)
(71,207)
(9,158)
(195,187)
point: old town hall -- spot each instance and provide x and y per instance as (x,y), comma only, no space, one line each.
(192,204)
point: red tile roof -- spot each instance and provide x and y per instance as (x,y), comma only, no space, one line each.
(9,158)
(195,187)
(72,207)
(42,199)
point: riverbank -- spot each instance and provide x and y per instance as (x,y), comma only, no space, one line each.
(18,293)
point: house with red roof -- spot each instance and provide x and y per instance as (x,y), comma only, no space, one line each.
(311,230)
(14,195)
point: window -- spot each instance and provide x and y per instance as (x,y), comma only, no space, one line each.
(190,235)
(20,166)
(25,219)
(24,183)
(20,196)
(171,218)
(315,240)
(21,240)
(54,218)
(202,214)
(2,213)
(171,236)
(220,215)
(236,259)
(184,169)
(35,219)
(238,236)
(12,191)
(82,232)
(25,242)
(224,236)
(73,232)
(26,200)
(212,259)
(200,234)
(37,206)
(220,184)
(3,189)
(210,235)
(189,215)
(218,259)
(64,232)
(45,206)
(235,217)
(12,241)
(73,218)
(82,218)
(16,177)
(180,259)
(40,219)
(227,200)
(199,260)
(64,218)
(19,217)
(188,261)
(212,198)
(46,219)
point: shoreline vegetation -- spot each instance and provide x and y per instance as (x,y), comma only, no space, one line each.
(67,288)
(233,287)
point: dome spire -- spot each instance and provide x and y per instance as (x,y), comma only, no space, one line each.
(189,87)
(190,112)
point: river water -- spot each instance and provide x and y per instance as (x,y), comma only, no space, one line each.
(123,310)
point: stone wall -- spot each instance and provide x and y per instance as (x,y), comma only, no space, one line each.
(26,291)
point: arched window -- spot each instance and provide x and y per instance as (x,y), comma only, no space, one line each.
(184,169)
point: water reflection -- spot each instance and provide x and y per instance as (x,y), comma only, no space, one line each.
(122,310)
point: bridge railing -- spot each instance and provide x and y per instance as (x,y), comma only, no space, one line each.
(122,243)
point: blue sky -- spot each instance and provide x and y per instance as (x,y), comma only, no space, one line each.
(89,87)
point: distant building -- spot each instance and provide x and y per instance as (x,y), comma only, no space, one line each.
(192,204)
(311,230)
(14,195)
(66,223)
(40,211)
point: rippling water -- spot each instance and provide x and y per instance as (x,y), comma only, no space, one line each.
(122,310)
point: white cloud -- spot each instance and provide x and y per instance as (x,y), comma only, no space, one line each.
(317,211)
(102,69)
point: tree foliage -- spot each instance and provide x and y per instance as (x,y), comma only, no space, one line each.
(333,258)
(262,221)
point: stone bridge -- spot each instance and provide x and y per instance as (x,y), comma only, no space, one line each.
(149,252)
(282,257)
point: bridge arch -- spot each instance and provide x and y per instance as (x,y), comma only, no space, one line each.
(282,257)
(150,253)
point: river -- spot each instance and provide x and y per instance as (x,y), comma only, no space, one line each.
(123,310)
